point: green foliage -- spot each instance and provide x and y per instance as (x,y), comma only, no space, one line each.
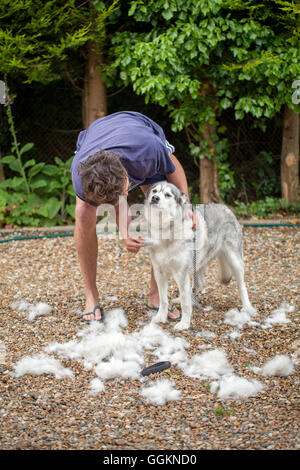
(50,201)
(37,37)
(220,411)
(226,180)
(39,193)
(263,176)
(198,58)
(194,193)
(265,208)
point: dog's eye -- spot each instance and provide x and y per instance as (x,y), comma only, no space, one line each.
(154,191)
(168,195)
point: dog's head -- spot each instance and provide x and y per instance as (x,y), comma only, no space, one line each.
(164,198)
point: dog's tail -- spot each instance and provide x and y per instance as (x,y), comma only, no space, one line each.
(224,270)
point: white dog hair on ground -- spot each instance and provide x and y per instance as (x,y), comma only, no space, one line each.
(279,316)
(161,392)
(118,369)
(41,364)
(280,365)
(20,305)
(114,355)
(250,351)
(210,364)
(98,344)
(116,320)
(38,309)
(96,386)
(34,310)
(233,335)
(111,354)
(206,334)
(238,318)
(112,298)
(232,386)
(164,346)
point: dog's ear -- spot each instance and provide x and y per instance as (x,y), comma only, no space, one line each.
(180,197)
(183,199)
(148,192)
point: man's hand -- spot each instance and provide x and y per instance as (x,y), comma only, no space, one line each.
(133,245)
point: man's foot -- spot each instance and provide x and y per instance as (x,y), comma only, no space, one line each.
(96,315)
(173,313)
(89,314)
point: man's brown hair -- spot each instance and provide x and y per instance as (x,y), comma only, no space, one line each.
(103,177)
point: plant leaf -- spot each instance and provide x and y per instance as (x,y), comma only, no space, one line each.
(26,147)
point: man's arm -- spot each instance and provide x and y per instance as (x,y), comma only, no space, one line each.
(178,177)
(123,220)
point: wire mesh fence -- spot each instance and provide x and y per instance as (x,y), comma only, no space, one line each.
(254,156)
(50,117)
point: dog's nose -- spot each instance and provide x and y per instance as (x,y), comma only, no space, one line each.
(155,199)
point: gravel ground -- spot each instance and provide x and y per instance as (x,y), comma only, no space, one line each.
(42,412)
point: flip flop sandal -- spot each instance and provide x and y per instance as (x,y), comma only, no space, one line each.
(157,367)
(97,307)
(169,310)
(151,308)
(173,319)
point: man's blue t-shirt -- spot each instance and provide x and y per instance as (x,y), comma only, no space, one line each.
(140,142)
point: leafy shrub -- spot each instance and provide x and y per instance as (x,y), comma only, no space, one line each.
(41,195)
(38,193)
(265,207)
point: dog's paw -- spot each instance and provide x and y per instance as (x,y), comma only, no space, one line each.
(182,325)
(159,318)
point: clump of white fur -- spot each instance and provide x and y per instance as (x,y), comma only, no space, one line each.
(33,310)
(232,386)
(212,364)
(278,316)
(113,355)
(161,392)
(164,346)
(97,386)
(238,318)
(280,365)
(41,364)
(118,369)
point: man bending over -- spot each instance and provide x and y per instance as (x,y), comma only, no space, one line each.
(114,153)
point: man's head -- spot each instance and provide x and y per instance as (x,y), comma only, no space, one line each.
(104,178)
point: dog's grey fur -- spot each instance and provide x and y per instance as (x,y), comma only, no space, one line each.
(173,244)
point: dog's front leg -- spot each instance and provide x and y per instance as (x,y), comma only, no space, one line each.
(185,290)
(162,284)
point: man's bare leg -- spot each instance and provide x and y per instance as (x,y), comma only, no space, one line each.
(153,299)
(87,248)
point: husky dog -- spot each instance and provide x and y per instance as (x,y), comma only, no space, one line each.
(178,250)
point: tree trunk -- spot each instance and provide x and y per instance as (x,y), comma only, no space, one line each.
(290,156)
(209,188)
(94,92)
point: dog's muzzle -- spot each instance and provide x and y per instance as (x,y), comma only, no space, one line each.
(154,199)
